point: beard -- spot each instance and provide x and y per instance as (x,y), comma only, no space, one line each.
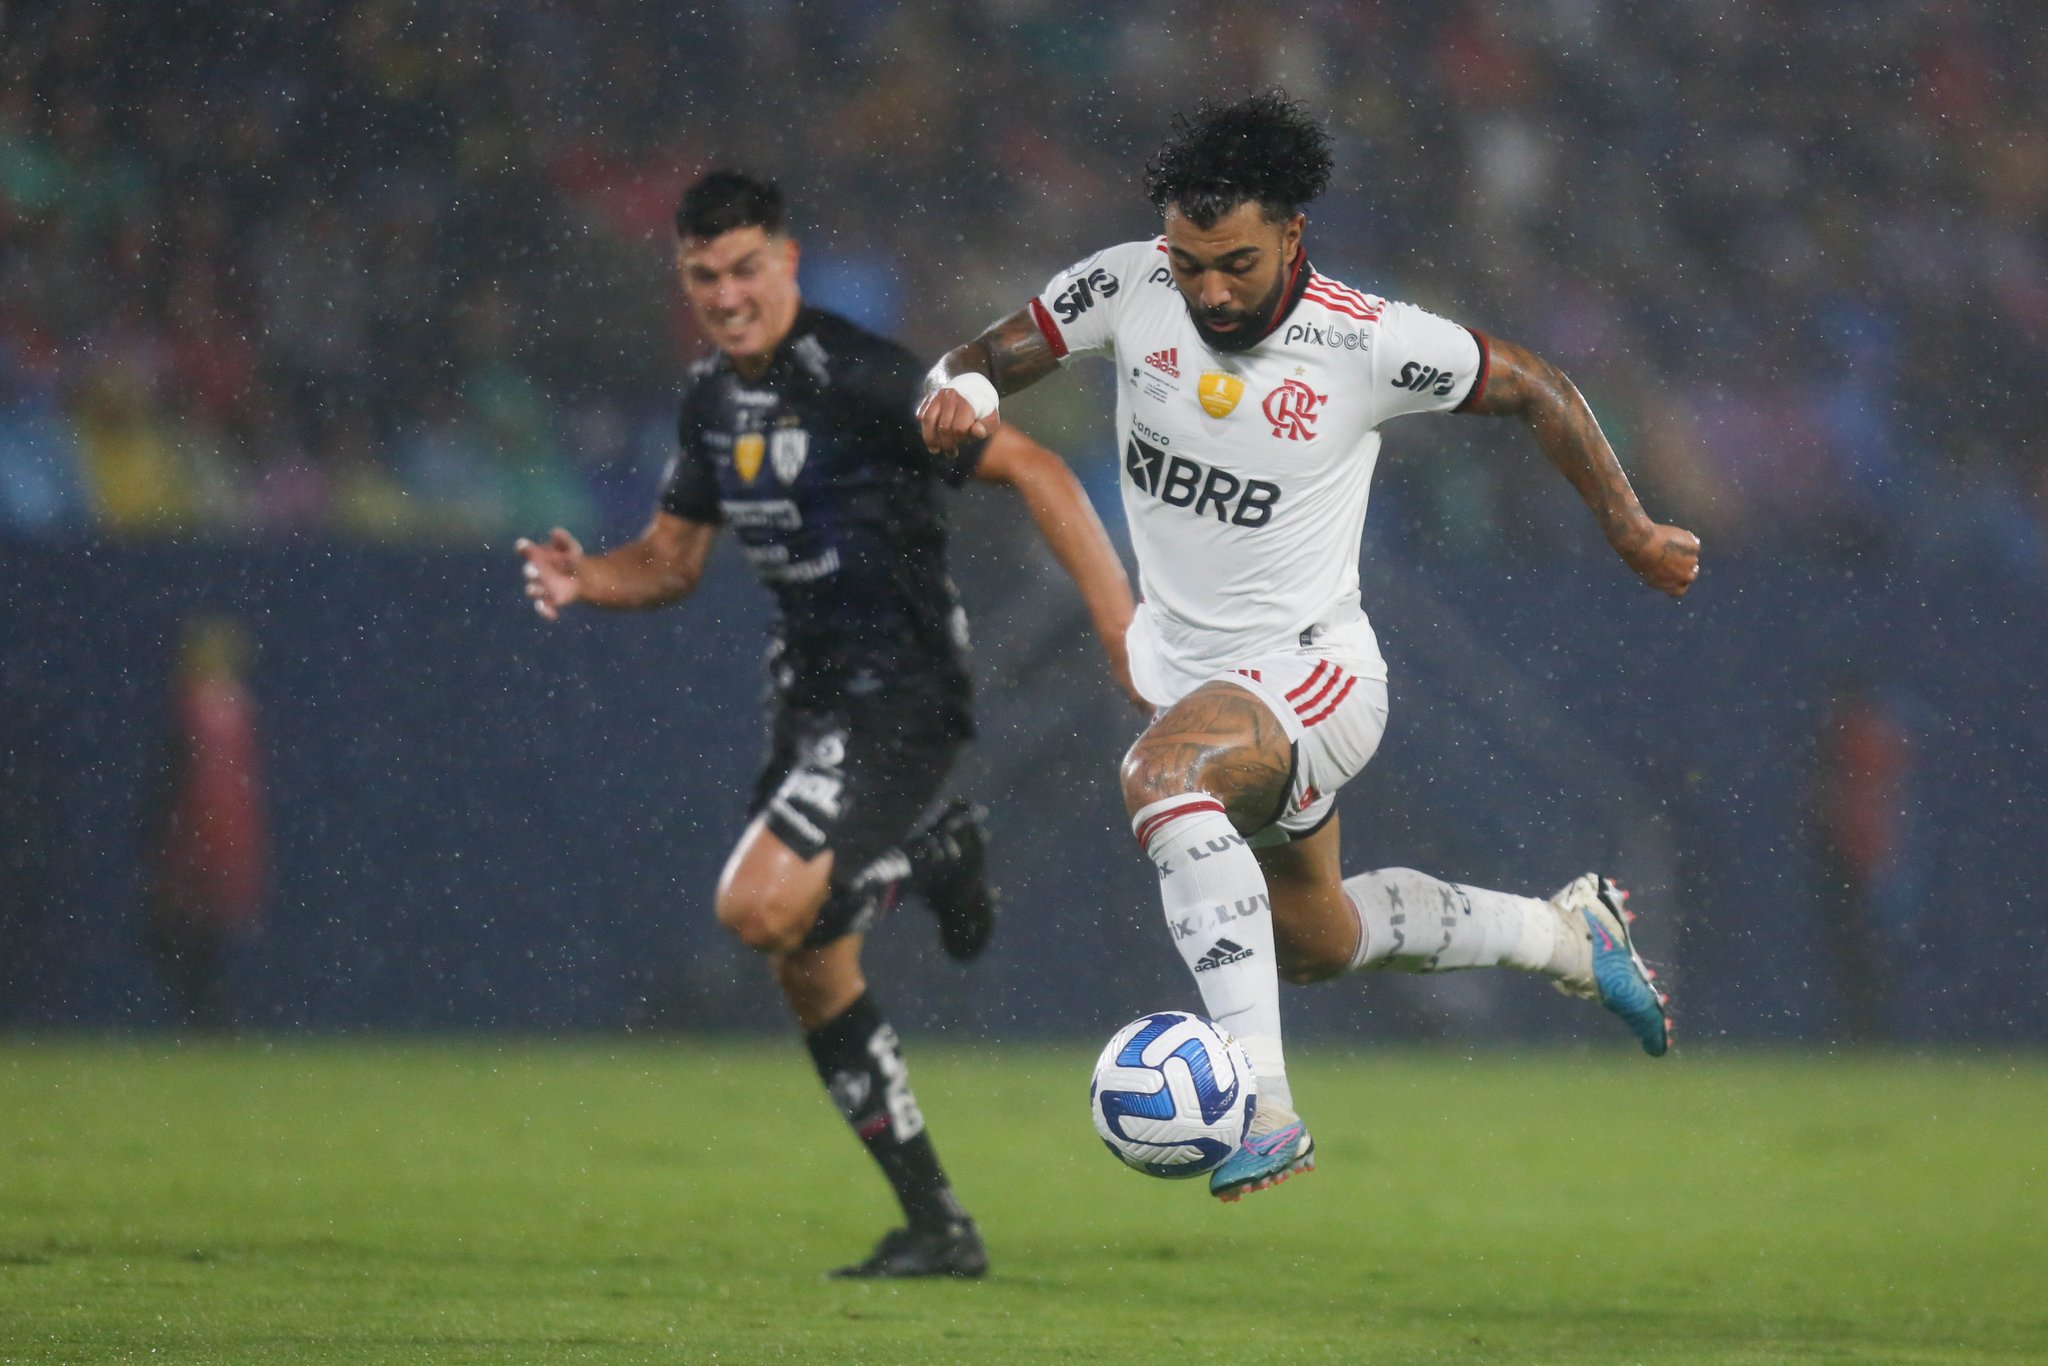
(1251,322)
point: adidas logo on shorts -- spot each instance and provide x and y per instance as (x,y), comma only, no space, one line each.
(1222,953)
(1167,361)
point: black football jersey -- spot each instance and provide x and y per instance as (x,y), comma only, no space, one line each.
(819,471)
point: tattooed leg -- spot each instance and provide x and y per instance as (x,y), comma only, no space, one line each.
(1216,764)
(1219,740)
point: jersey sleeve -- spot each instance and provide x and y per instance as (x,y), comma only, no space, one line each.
(689,490)
(1077,310)
(1425,364)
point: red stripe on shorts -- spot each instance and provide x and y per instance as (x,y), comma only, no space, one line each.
(1310,681)
(1349,683)
(1337,676)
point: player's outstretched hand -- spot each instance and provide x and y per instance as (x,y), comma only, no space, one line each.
(1668,558)
(551,572)
(947,420)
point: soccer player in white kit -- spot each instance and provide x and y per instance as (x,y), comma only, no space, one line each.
(1250,393)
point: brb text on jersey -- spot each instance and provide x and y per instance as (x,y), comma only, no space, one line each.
(1180,482)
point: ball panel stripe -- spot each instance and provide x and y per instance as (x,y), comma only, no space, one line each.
(1172,1095)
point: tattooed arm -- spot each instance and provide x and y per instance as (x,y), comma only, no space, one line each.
(1013,354)
(1518,383)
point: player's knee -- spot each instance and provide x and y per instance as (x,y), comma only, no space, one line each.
(759,921)
(1152,773)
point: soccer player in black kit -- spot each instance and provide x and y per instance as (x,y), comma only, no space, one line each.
(799,435)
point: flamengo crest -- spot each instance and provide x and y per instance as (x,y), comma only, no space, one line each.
(1292,409)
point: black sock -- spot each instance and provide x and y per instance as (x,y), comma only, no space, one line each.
(858,1060)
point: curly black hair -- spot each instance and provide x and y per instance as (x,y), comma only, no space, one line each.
(726,199)
(1266,149)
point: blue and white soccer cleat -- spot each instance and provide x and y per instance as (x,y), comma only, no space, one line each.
(1620,979)
(1277,1148)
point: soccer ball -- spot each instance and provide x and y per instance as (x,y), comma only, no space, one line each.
(1173,1094)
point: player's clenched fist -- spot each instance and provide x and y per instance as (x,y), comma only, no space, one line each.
(551,572)
(1668,560)
(960,410)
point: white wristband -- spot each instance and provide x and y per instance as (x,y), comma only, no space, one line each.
(976,389)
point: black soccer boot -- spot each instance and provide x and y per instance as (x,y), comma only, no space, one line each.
(954,1250)
(948,870)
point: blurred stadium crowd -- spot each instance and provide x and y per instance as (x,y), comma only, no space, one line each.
(397,269)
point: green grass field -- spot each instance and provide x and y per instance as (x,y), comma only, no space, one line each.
(603,1201)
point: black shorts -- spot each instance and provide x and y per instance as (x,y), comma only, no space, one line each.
(854,781)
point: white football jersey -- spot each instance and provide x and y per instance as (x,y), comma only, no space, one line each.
(1245,474)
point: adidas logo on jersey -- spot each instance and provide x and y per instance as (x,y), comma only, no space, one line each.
(1222,953)
(1167,361)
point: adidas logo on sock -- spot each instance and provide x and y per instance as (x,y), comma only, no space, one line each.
(1222,953)
(1167,361)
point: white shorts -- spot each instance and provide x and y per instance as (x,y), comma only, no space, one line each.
(1332,703)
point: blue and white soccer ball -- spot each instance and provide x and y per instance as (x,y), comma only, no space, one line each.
(1173,1094)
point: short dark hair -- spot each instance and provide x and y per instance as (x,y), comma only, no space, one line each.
(729,198)
(1265,149)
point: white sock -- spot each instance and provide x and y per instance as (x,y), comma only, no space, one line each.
(1412,922)
(1222,921)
